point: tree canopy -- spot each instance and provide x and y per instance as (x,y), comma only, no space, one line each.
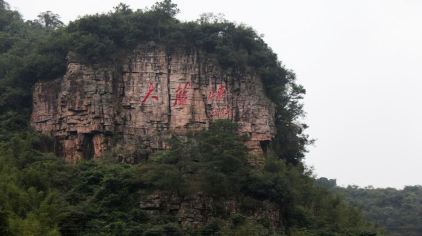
(42,195)
(398,211)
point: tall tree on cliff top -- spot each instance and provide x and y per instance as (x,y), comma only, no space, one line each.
(166,11)
(166,7)
(49,20)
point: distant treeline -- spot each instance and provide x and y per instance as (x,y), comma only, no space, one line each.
(398,211)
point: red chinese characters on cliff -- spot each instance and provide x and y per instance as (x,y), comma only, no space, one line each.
(217,94)
(220,112)
(150,90)
(182,94)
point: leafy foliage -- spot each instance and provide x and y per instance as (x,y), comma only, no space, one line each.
(27,54)
(398,211)
(49,20)
(41,195)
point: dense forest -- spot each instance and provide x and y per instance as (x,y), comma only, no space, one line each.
(40,194)
(398,211)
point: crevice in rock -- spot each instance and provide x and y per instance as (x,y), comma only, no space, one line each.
(88,146)
(264,145)
(168,87)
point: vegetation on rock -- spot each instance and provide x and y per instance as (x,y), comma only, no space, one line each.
(42,195)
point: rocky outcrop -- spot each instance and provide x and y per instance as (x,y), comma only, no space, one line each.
(137,106)
(198,210)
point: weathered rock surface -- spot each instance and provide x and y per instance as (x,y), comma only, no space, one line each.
(198,210)
(154,95)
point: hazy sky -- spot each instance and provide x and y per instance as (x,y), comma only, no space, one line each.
(360,61)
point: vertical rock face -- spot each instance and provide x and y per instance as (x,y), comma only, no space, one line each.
(197,210)
(154,95)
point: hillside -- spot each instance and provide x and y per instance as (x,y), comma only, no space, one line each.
(56,179)
(398,211)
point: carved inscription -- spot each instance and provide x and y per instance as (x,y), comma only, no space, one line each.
(182,94)
(219,112)
(149,92)
(217,95)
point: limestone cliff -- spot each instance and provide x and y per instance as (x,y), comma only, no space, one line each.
(136,107)
(197,210)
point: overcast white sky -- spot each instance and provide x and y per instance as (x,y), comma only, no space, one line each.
(360,61)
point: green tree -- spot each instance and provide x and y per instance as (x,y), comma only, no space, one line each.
(166,7)
(398,211)
(49,20)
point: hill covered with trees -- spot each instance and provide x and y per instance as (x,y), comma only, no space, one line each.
(398,211)
(40,194)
